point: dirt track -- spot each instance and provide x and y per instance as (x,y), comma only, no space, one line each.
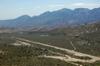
(66,58)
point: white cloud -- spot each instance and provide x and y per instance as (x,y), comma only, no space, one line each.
(78,4)
(73,5)
(85,5)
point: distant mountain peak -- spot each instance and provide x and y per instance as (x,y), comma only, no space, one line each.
(64,10)
(24,16)
(46,13)
(63,17)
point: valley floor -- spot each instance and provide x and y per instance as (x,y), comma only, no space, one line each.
(65,57)
(34,50)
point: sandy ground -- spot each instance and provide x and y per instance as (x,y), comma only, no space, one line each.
(65,58)
(20,43)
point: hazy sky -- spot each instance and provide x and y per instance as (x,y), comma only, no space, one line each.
(13,8)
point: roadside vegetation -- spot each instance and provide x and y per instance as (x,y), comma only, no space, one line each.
(24,55)
(80,39)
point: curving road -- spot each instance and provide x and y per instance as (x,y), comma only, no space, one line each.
(66,58)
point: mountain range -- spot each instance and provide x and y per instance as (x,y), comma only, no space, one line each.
(60,18)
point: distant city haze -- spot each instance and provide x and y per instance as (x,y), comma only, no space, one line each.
(10,9)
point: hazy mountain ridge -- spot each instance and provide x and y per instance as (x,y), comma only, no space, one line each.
(53,19)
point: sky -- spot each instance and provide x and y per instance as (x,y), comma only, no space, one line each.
(10,9)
